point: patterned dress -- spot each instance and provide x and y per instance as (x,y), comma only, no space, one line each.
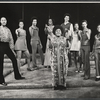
(59,60)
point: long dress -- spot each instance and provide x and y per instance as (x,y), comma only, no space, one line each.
(21,41)
(50,35)
(59,61)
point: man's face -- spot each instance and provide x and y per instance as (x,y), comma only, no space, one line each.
(3,21)
(84,24)
(34,22)
(98,28)
(66,18)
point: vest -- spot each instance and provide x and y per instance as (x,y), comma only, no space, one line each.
(84,37)
(65,27)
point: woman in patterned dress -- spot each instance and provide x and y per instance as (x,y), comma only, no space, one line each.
(59,58)
(21,45)
(49,31)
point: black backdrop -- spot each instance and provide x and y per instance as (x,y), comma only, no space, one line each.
(79,11)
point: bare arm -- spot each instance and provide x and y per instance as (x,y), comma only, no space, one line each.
(88,34)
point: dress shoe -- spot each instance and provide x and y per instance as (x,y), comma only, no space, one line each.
(97,79)
(4,84)
(20,78)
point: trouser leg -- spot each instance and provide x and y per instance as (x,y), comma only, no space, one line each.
(14,62)
(1,65)
(41,53)
(34,49)
(97,63)
(87,62)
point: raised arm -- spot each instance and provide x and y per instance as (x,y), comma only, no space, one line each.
(88,34)
(31,31)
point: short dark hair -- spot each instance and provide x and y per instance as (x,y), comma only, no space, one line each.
(21,20)
(33,18)
(98,25)
(76,23)
(58,27)
(67,14)
(84,21)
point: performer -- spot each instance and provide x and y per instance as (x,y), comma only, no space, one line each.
(75,46)
(49,31)
(59,59)
(96,52)
(85,49)
(68,31)
(7,47)
(35,42)
(21,45)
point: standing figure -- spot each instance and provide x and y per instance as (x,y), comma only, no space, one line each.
(96,52)
(75,46)
(35,42)
(68,31)
(21,45)
(7,47)
(59,58)
(49,31)
(85,49)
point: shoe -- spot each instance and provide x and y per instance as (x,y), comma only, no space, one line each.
(30,69)
(20,78)
(4,84)
(56,88)
(82,75)
(80,71)
(76,71)
(86,78)
(97,79)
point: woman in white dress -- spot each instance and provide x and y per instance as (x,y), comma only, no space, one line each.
(75,46)
(49,31)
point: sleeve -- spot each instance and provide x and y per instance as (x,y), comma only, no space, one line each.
(11,42)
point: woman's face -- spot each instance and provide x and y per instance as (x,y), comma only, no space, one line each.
(34,22)
(66,18)
(76,26)
(58,32)
(50,22)
(98,28)
(84,24)
(21,24)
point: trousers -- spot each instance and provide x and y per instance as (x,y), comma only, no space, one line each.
(5,49)
(97,61)
(85,53)
(35,47)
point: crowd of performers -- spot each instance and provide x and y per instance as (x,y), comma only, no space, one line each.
(62,41)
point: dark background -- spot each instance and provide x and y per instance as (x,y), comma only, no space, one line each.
(79,11)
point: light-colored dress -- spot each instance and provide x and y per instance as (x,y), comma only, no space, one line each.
(48,52)
(59,60)
(75,44)
(21,40)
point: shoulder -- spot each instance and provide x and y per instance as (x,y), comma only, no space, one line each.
(62,24)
